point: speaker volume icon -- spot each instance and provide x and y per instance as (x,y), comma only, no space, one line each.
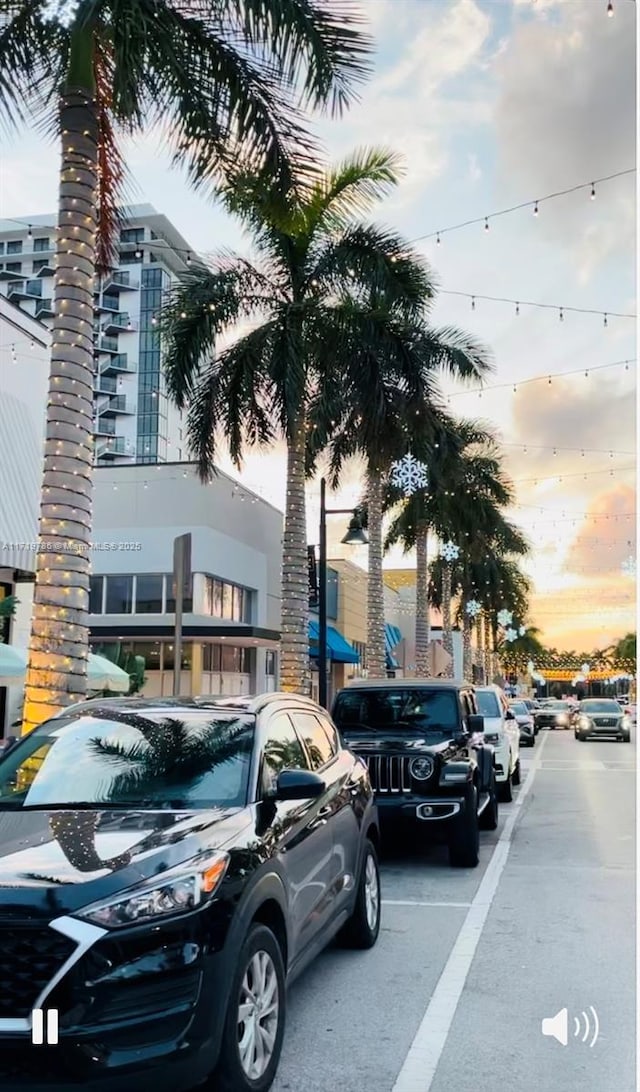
(557,1027)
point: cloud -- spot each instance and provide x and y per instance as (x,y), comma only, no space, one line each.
(607,535)
(565,114)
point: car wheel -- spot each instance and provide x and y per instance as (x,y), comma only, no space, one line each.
(505,791)
(581,736)
(464,843)
(489,818)
(626,739)
(254,1026)
(516,773)
(362,928)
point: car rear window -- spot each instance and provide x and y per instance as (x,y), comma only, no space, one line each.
(488,705)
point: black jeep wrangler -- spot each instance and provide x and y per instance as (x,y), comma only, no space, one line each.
(428,763)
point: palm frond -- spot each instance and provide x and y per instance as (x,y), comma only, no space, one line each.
(349,189)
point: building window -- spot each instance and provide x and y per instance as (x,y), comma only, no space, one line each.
(41,244)
(1,248)
(96,584)
(149,594)
(235,661)
(211,658)
(13,267)
(227,601)
(187,603)
(168,656)
(14,246)
(132,235)
(270,662)
(119,594)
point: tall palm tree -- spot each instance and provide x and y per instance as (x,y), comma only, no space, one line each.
(466,486)
(223,80)
(388,405)
(311,252)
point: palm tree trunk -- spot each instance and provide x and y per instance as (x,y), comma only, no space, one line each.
(486,647)
(423,627)
(447,637)
(295,674)
(467,624)
(376,655)
(59,641)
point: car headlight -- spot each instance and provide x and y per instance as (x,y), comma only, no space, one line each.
(174,892)
(421,768)
(584,722)
(626,721)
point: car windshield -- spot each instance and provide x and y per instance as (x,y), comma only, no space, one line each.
(402,708)
(558,706)
(600,707)
(519,708)
(488,705)
(108,759)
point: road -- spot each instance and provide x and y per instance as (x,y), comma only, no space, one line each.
(469,963)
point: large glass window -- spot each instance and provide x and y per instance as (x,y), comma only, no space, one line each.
(132,235)
(227,601)
(169,657)
(95,594)
(270,662)
(41,244)
(14,246)
(193,760)
(187,602)
(211,658)
(314,738)
(149,594)
(119,594)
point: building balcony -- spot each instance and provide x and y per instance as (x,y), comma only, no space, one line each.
(107,345)
(45,270)
(114,448)
(104,428)
(120,281)
(104,385)
(119,324)
(117,406)
(116,365)
(6,275)
(107,304)
(25,290)
(44,308)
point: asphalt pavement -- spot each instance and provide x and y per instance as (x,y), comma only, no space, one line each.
(470,962)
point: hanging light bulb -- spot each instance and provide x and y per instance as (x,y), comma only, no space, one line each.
(486,223)
(606,320)
(188,257)
(535,209)
(438,240)
(29,233)
(561,315)
(473,303)
(610,9)
(517,308)
(138,252)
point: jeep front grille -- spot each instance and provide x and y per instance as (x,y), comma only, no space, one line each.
(389,773)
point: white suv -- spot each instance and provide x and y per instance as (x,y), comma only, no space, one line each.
(501,730)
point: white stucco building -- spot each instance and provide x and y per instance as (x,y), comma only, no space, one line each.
(231,625)
(24,375)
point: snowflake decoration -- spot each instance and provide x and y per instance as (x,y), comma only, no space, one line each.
(450,552)
(409,475)
(511,635)
(521,631)
(629,566)
(60,11)
(473,607)
(505,617)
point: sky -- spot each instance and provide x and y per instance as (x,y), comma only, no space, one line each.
(491,103)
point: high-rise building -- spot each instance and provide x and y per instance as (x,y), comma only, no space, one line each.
(134,421)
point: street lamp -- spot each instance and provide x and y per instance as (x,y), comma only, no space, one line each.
(355,536)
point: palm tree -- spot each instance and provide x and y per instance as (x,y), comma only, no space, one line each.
(7,610)
(223,80)
(267,382)
(389,404)
(466,487)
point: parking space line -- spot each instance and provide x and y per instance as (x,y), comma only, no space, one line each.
(415,902)
(421,1062)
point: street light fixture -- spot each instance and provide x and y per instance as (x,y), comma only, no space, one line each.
(355,536)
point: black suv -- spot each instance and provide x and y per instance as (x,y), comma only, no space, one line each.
(166,869)
(422,742)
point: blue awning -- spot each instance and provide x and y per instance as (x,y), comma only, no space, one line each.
(392,638)
(338,649)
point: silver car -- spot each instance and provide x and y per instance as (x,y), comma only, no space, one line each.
(526,723)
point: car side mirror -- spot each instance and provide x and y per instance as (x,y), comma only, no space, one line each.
(299,785)
(509,715)
(475,724)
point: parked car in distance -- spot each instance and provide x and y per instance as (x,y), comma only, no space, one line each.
(554,714)
(525,721)
(502,732)
(632,712)
(602,717)
(422,742)
(167,867)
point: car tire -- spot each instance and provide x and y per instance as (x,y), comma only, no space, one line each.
(505,791)
(489,818)
(626,739)
(464,842)
(516,773)
(581,736)
(230,1074)
(362,929)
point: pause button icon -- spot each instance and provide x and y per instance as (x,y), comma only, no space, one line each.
(39,1035)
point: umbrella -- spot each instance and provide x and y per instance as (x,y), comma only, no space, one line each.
(102,674)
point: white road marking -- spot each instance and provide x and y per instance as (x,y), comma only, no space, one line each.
(414,902)
(421,1063)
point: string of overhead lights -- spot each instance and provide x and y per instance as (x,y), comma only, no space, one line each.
(580,474)
(547,378)
(518,304)
(534,205)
